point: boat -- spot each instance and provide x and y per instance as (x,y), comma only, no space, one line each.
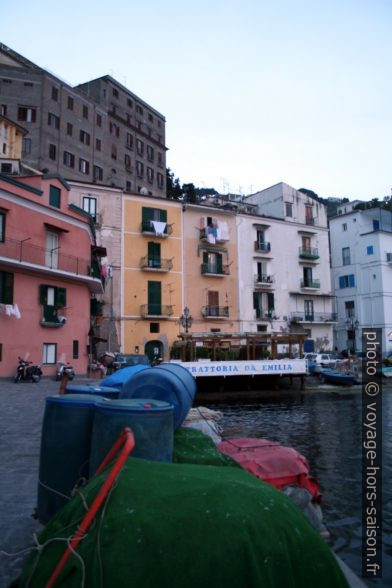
(387,372)
(332,376)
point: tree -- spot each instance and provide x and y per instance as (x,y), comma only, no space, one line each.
(173,187)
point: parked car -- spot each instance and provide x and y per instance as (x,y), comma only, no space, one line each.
(322,359)
(122,360)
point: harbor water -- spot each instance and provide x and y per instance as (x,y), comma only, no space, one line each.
(325,426)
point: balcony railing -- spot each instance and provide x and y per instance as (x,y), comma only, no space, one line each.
(213,269)
(24,252)
(264,280)
(213,237)
(263,247)
(215,311)
(308,253)
(309,221)
(314,317)
(161,310)
(53,316)
(156,264)
(262,314)
(156,229)
(310,283)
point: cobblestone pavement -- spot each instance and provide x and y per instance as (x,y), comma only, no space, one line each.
(21,409)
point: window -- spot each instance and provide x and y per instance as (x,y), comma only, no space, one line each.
(115,93)
(53,120)
(85,111)
(75,349)
(139,147)
(2,227)
(99,120)
(150,153)
(98,173)
(159,123)
(69,159)
(154,327)
(27,114)
(150,117)
(139,109)
(150,175)
(26,146)
(52,151)
(289,209)
(90,205)
(369,250)
(54,297)
(346,256)
(129,143)
(309,311)
(154,298)
(55,93)
(128,186)
(54,196)
(6,81)
(139,169)
(309,220)
(261,328)
(70,103)
(349,308)
(49,353)
(129,118)
(69,129)
(52,250)
(6,168)
(160,180)
(347,281)
(344,226)
(114,129)
(129,103)
(98,144)
(127,161)
(6,288)
(376,225)
(84,166)
(153,214)
(264,304)
(3,109)
(84,137)
(114,151)
(160,163)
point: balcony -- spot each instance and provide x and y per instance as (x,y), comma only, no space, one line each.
(315,317)
(264,247)
(53,317)
(54,263)
(265,315)
(308,253)
(156,228)
(211,269)
(309,221)
(155,264)
(213,237)
(162,311)
(263,281)
(215,312)
(313,284)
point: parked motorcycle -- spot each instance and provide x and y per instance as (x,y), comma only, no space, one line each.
(64,368)
(27,372)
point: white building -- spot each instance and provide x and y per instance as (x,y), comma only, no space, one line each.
(361,256)
(283,266)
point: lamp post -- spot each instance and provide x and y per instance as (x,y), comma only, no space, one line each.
(352,324)
(186,320)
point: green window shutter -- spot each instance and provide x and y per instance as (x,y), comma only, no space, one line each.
(54,196)
(42,294)
(219,266)
(271,301)
(154,250)
(205,257)
(256,301)
(50,314)
(147,214)
(163,216)
(154,294)
(61,297)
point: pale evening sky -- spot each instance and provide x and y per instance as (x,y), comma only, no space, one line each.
(254,92)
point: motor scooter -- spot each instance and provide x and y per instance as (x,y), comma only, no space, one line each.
(64,368)
(27,372)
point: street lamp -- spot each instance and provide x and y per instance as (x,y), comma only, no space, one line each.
(186,320)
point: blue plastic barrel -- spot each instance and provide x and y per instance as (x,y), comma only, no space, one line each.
(169,382)
(65,449)
(105,391)
(119,377)
(151,422)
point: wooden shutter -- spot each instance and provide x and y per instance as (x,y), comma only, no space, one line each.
(270,301)
(8,288)
(219,266)
(351,280)
(61,297)
(163,216)
(42,294)
(154,298)
(341,282)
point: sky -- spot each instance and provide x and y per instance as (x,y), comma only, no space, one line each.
(254,92)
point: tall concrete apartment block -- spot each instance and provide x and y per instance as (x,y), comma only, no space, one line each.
(96,132)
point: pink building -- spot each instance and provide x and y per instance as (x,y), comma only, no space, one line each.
(48,274)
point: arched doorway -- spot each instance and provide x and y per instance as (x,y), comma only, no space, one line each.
(153,349)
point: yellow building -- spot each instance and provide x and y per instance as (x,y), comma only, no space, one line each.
(152,268)
(11,136)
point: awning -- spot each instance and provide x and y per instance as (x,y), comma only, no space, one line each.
(99,251)
(56,228)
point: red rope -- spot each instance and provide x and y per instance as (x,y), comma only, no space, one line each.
(127,440)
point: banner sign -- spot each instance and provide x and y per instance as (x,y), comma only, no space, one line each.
(273,367)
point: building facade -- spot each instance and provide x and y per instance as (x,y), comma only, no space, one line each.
(48,273)
(284,266)
(97,132)
(361,257)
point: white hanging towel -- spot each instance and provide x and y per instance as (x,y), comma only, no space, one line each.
(8,309)
(17,311)
(159,227)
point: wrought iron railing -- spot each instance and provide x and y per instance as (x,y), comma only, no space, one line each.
(308,252)
(310,283)
(215,311)
(148,227)
(316,317)
(212,268)
(264,247)
(156,263)
(261,279)
(155,309)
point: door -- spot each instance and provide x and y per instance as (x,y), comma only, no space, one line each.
(308,277)
(309,312)
(154,350)
(52,250)
(154,254)
(306,245)
(213,303)
(154,298)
